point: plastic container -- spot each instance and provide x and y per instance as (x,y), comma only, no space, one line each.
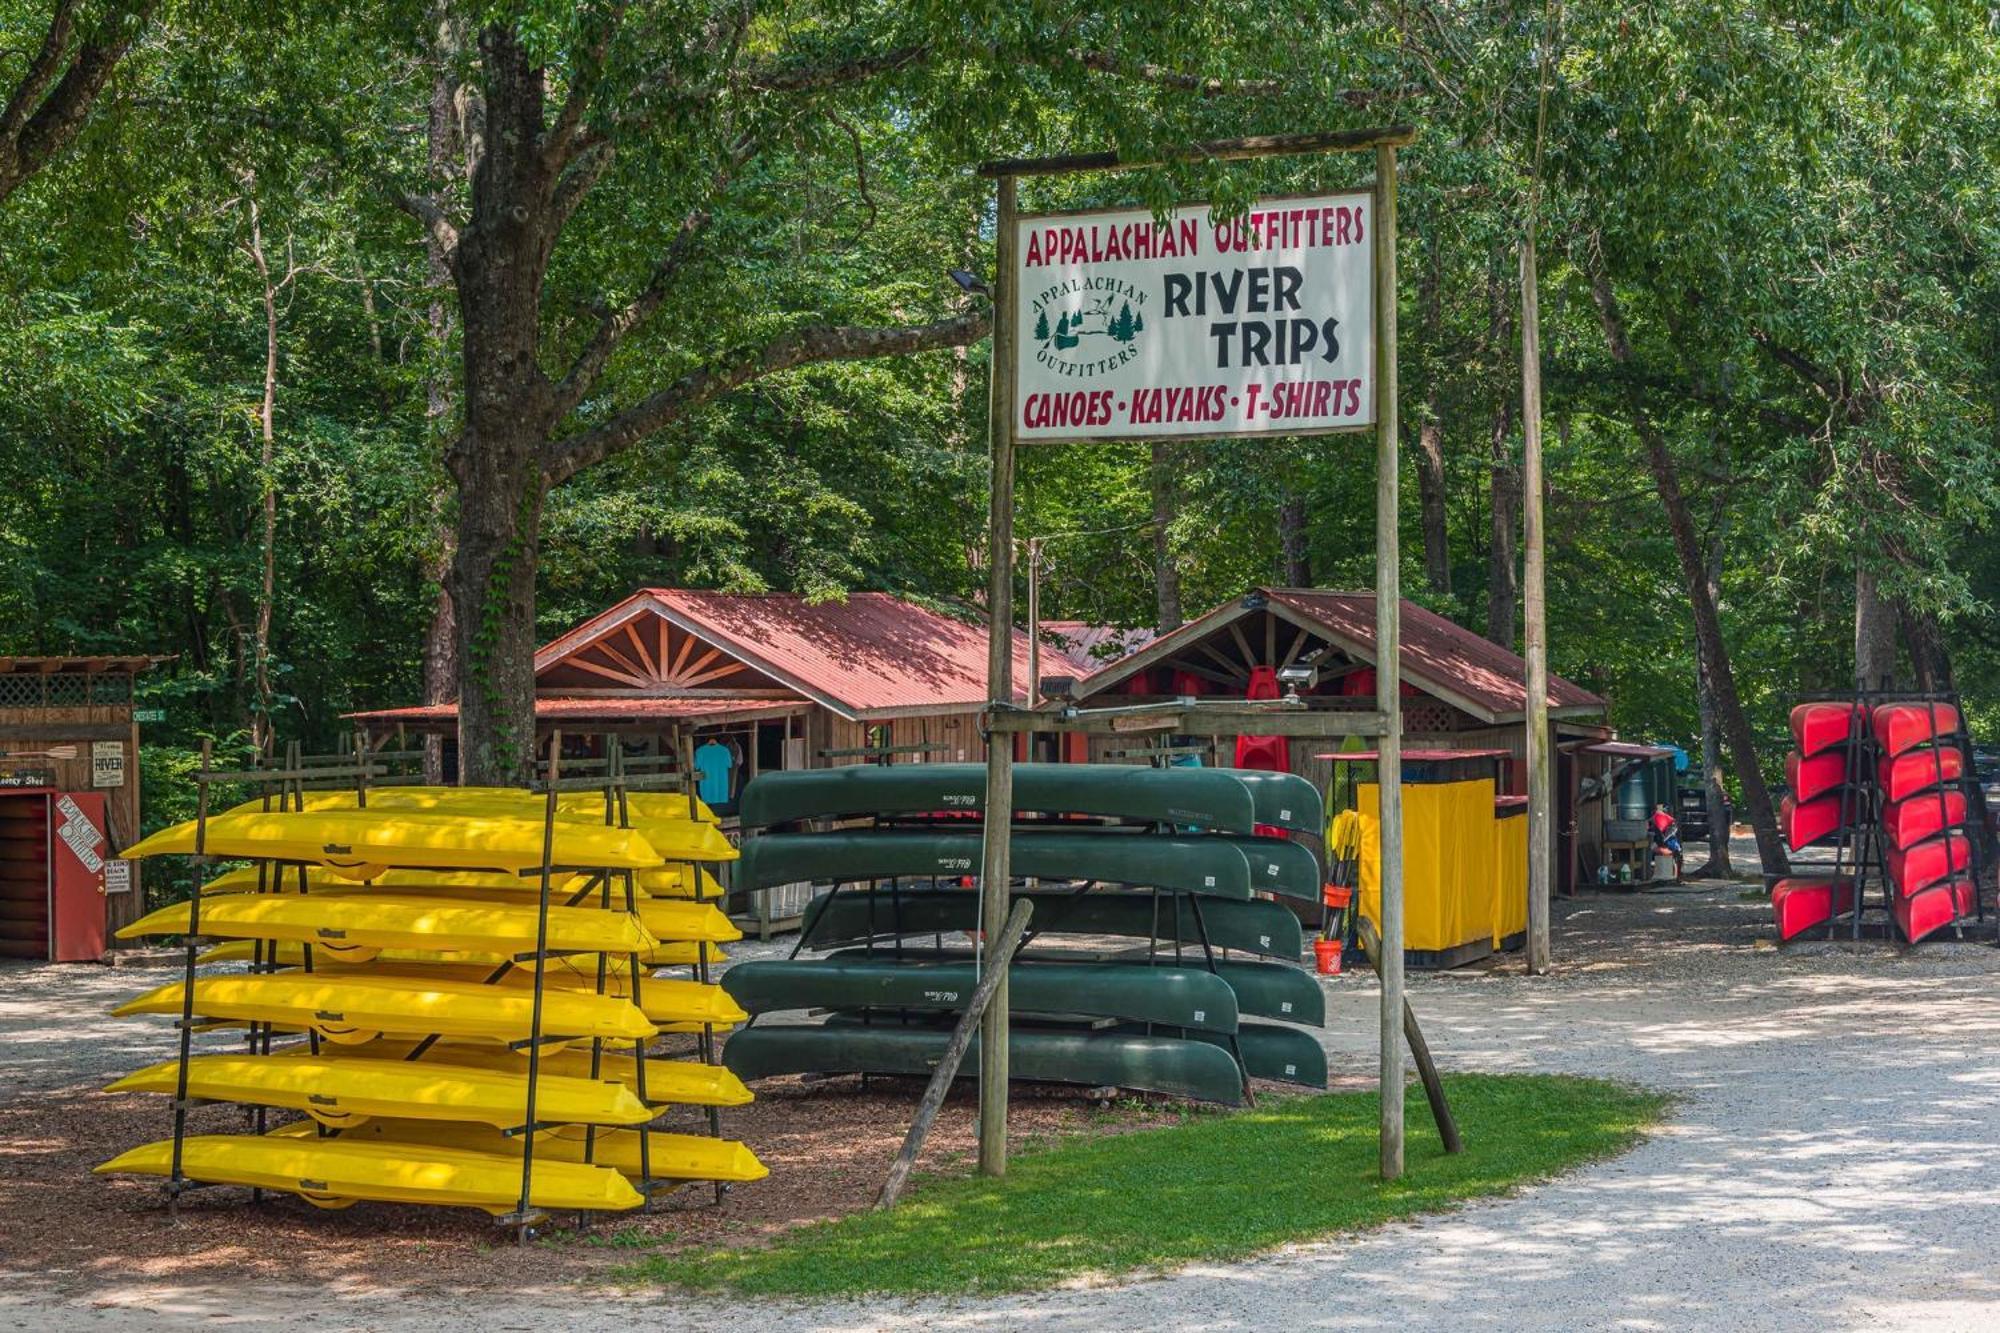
(1336,895)
(1326,957)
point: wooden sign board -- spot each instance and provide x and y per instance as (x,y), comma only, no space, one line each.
(1133,329)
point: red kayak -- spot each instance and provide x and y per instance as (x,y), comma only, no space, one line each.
(1818,775)
(1806,822)
(1928,862)
(1921,769)
(1817,727)
(1800,904)
(1907,823)
(1930,910)
(1900,727)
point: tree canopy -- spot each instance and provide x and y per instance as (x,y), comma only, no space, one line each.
(556,300)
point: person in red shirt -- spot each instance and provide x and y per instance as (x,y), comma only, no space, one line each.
(1667,836)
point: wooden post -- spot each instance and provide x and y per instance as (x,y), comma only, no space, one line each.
(1420,1051)
(995,874)
(1534,597)
(1388,661)
(1034,682)
(999,954)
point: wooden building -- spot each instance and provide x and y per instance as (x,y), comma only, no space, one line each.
(776,680)
(69,800)
(1460,692)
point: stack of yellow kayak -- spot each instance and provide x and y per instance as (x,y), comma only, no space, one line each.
(406,956)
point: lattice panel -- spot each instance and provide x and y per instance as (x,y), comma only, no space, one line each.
(63,689)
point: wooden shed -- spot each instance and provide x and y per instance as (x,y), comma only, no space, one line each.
(69,800)
(1460,691)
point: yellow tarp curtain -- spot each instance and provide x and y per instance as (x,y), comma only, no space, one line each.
(1465,872)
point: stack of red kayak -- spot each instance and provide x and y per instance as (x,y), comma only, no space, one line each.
(1892,767)
(1928,857)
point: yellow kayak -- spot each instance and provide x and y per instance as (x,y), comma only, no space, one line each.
(669,1156)
(340,1091)
(357,926)
(664,1000)
(294,955)
(680,880)
(336,1172)
(648,805)
(350,1008)
(680,1082)
(365,843)
(244,879)
(673,835)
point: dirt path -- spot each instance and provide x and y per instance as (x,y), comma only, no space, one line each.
(1830,1165)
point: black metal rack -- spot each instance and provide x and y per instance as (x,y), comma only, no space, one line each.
(1863,846)
(282,786)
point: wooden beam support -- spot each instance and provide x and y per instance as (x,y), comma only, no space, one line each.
(1218,150)
(1388,657)
(1534,595)
(995,873)
(1200,721)
(997,961)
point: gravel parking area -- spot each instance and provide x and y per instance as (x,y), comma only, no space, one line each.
(1830,1165)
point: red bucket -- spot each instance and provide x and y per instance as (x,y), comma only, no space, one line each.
(1326,956)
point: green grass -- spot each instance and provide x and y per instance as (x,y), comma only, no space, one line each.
(1210,1188)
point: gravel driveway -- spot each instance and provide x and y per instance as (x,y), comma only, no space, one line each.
(1831,1165)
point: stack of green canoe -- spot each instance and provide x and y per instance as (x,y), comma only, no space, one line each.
(1165,870)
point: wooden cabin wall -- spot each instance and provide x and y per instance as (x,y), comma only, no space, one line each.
(26,729)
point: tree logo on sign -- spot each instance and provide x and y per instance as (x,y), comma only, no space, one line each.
(1089,325)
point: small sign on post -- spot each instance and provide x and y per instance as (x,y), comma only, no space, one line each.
(149,715)
(107,763)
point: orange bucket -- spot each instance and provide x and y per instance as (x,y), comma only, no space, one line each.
(1336,895)
(1326,956)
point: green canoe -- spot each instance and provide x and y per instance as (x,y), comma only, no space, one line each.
(1212,798)
(1283,800)
(1175,1066)
(1262,990)
(1257,927)
(1180,996)
(1284,1055)
(1213,866)
(1278,865)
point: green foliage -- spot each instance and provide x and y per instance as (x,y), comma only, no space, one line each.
(1795,203)
(1210,1189)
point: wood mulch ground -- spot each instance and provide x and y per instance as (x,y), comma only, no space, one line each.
(827,1145)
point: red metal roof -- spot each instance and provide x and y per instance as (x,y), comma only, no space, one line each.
(608,708)
(1435,650)
(1089,646)
(1438,657)
(871,655)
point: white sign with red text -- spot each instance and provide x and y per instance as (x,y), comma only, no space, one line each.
(1133,329)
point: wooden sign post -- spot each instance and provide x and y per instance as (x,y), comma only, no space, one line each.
(1191,328)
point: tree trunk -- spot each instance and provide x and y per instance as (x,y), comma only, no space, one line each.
(1430,447)
(1431,494)
(260,643)
(509,410)
(1503,586)
(1714,792)
(1930,661)
(1292,542)
(1707,622)
(1874,634)
(440,652)
(1502,577)
(1166,573)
